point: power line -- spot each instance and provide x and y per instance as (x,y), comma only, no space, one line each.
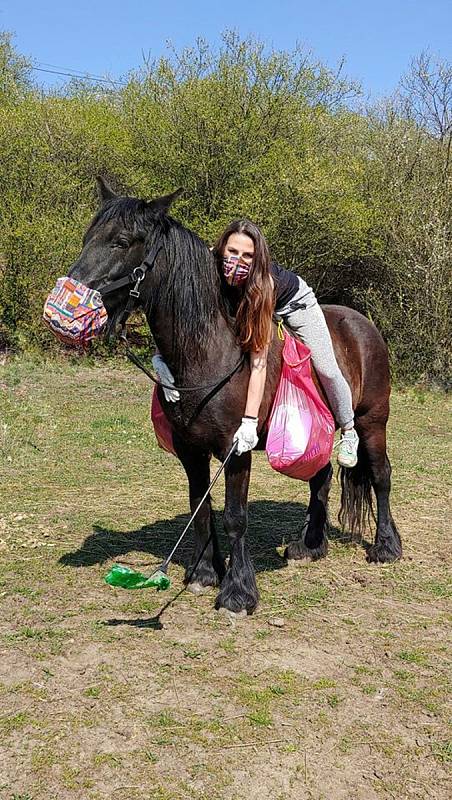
(70,69)
(82,76)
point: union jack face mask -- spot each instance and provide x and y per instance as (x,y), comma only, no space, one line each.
(235,271)
(74,313)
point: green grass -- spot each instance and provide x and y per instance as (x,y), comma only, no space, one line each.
(92,691)
(323,683)
(356,681)
(442,751)
(413,657)
(261,717)
(15,722)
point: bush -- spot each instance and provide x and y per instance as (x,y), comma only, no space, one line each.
(358,203)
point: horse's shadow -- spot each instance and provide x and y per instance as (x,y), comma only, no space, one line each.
(271,525)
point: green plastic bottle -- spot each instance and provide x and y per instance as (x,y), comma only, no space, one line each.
(128,578)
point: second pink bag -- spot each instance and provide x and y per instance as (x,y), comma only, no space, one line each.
(162,428)
(301,430)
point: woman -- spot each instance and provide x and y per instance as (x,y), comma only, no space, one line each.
(263,289)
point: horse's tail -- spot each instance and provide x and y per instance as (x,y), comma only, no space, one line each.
(357,510)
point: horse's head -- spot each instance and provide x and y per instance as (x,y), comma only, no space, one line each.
(117,241)
(180,288)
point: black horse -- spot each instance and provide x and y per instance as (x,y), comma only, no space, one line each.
(189,312)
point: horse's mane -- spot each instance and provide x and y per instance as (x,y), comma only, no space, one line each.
(190,292)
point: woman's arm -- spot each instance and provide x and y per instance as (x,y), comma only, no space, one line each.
(246,436)
(256,386)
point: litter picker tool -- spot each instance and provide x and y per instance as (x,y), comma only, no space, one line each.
(128,578)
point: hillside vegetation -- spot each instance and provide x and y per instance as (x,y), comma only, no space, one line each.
(355,199)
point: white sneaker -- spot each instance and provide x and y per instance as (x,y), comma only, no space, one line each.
(347,454)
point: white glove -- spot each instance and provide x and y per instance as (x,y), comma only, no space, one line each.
(246,436)
(165,376)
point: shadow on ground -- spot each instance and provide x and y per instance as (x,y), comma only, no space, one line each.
(271,525)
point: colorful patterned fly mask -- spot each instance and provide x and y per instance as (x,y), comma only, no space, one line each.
(235,271)
(74,313)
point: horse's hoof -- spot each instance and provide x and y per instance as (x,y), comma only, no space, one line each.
(297,553)
(298,562)
(232,616)
(198,589)
(383,555)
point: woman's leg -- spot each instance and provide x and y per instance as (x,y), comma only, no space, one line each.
(310,325)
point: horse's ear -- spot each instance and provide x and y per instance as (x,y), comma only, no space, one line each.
(161,205)
(104,191)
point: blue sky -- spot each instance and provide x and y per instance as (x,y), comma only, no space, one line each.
(378,38)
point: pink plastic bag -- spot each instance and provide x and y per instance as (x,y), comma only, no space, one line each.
(301,431)
(162,428)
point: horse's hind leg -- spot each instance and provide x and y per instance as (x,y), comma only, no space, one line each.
(210,569)
(388,545)
(238,590)
(313,543)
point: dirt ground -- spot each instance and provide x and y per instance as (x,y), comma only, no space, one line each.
(345,698)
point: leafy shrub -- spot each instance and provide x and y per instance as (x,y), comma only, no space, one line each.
(357,203)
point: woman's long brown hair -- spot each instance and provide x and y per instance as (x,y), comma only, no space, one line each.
(254,314)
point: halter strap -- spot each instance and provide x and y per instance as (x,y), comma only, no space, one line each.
(136,276)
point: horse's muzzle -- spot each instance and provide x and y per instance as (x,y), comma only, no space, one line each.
(74,313)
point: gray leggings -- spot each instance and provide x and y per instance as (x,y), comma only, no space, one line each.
(308,324)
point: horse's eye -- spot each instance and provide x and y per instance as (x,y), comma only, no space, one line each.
(122,243)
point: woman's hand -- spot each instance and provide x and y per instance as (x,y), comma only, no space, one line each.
(246,436)
(165,376)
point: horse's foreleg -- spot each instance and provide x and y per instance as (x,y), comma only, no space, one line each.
(388,545)
(313,542)
(210,569)
(238,590)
